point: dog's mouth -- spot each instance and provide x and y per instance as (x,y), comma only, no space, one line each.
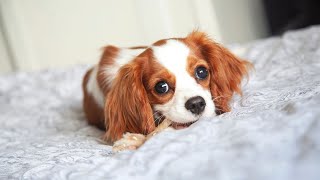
(176,125)
(159,118)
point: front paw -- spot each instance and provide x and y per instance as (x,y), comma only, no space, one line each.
(129,141)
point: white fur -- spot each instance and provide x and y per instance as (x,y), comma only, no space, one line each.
(93,88)
(124,57)
(173,56)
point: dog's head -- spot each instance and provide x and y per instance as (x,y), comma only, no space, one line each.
(182,79)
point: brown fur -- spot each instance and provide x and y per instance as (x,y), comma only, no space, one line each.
(93,112)
(107,59)
(127,106)
(193,63)
(226,70)
(138,47)
(129,102)
(160,42)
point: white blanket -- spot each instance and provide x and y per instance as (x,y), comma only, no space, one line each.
(273,131)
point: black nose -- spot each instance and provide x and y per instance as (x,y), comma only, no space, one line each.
(196,105)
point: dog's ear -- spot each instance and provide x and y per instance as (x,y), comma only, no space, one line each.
(127,107)
(226,70)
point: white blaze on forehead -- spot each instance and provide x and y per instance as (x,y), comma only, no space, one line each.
(173,55)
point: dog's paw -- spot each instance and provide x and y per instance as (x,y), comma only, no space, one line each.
(129,141)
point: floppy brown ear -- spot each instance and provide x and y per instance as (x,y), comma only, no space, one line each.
(226,70)
(127,107)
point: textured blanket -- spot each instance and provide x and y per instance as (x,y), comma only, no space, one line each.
(273,131)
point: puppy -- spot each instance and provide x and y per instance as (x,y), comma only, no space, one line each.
(182,79)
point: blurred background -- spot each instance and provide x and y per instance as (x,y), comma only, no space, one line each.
(41,34)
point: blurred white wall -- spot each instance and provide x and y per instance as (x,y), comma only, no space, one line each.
(5,65)
(57,33)
(240,20)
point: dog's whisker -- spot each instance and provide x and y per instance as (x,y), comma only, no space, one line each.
(157,119)
(148,121)
(218,97)
(160,118)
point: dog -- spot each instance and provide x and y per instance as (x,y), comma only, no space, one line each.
(182,79)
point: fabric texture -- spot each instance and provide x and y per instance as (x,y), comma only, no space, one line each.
(272,132)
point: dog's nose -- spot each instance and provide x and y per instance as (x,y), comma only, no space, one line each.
(196,105)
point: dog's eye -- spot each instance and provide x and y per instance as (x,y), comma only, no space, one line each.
(162,87)
(201,72)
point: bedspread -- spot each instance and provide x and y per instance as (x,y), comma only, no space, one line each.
(272,132)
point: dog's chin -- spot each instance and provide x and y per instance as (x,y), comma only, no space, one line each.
(176,125)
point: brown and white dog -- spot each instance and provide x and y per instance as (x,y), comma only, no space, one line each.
(182,79)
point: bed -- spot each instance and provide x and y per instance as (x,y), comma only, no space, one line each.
(272,132)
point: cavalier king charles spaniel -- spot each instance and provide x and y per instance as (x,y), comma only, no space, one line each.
(182,79)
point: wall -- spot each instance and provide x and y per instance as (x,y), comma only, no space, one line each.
(5,65)
(52,34)
(241,20)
